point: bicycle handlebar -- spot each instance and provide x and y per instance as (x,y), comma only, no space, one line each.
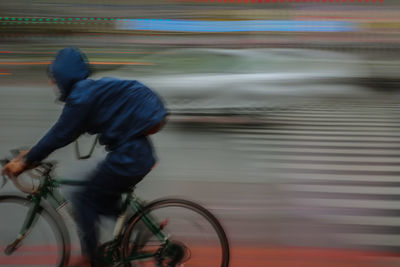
(42,169)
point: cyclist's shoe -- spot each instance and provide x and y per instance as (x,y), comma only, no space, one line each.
(107,255)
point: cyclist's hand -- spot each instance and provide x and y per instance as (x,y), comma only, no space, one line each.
(22,154)
(14,167)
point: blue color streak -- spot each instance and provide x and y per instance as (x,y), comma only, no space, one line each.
(236,26)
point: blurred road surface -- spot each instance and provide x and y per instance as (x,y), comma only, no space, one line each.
(292,183)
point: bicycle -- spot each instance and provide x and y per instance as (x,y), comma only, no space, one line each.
(153,234)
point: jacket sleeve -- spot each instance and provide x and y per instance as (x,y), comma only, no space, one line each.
(68,127)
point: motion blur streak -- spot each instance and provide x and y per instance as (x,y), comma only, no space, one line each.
(92,62)
(285,116)
(236,26)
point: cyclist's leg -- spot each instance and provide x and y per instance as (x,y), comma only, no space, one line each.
(106,191)
(102,196)
(86,218)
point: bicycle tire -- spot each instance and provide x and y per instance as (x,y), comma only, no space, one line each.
(197,209)
(46,243)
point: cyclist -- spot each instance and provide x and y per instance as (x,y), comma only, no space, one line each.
(123,113)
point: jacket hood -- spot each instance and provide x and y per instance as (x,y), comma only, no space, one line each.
(69,67)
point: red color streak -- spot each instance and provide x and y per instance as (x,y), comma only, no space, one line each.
(247,256)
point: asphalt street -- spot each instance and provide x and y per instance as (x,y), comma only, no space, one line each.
(307,172)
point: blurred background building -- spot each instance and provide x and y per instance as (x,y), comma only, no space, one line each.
(284,114)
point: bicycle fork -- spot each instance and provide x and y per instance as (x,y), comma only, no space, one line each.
(28,222)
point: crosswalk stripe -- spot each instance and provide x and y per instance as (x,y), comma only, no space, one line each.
(338,162)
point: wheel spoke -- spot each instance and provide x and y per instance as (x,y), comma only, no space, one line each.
(195,237)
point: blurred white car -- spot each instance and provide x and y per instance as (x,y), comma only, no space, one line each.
(211,79)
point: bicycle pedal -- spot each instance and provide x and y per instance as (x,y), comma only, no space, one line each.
(107,254)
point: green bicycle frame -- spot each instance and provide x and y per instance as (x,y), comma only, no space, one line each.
(49,191)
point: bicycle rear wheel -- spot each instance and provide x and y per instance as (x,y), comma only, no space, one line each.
(43,245)
(195,236)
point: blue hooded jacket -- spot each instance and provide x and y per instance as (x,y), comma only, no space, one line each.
(121,112)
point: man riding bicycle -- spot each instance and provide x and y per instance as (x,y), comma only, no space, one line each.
(123,113)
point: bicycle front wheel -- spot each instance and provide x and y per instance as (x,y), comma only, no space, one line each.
(44,243)
(195,236)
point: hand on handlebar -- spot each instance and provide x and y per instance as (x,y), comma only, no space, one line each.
(16,166)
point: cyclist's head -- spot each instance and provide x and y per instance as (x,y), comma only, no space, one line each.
(69,67)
